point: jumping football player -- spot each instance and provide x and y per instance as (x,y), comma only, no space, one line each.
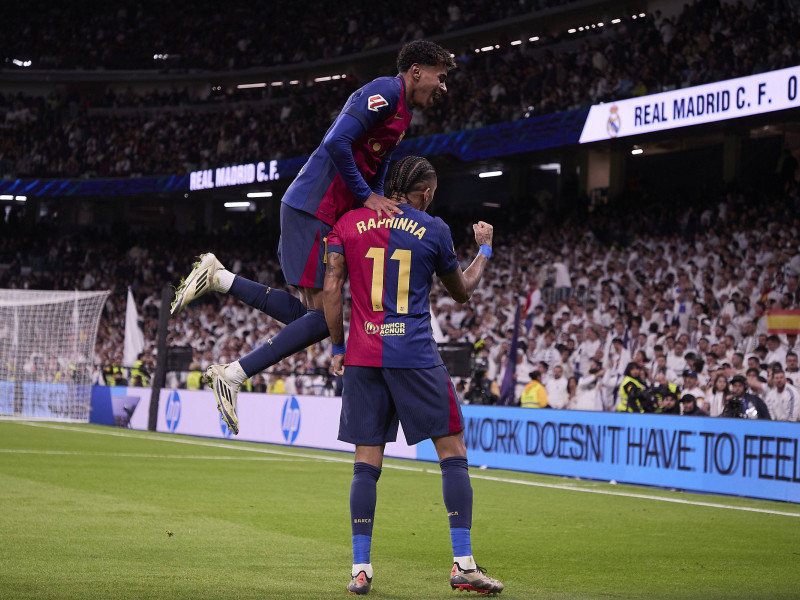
(394,370)
(346,171)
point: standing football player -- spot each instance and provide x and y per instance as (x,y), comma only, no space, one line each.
(394,370)
(347,170)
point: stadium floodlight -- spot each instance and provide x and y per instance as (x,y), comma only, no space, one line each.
(243,204)
(21,63)
(21,198)
(551,167)
(247,86)
(47,345)
(486,174)
(571,30)
(6,197)
(636,150)
(534,38)
(516,42)
(259,195)
(276,83)
(615,21)
(487,48)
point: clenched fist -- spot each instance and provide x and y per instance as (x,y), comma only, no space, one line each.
(483,233)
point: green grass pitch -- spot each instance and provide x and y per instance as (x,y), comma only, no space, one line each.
(86,512)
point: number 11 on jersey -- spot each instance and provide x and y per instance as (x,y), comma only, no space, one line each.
(378,256)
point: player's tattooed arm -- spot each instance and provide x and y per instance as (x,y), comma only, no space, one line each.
(335,276)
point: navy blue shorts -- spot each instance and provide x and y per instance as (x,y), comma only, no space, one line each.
(374,398)
(302,248)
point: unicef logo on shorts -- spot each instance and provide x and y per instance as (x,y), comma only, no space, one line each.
(290,422)
(173,411)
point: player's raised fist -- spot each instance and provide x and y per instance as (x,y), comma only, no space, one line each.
(483,233)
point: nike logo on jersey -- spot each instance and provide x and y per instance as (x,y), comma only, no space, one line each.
(376,102)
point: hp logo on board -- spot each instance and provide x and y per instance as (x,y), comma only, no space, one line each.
(290,423)
(173,411)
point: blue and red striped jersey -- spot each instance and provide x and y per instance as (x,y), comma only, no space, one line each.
(391,263)
(352,160)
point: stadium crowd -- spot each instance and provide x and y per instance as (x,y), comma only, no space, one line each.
(122,133)
(653,309)
(682,300)
(244,35)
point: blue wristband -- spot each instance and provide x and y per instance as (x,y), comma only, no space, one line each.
(486,250)
(339,349)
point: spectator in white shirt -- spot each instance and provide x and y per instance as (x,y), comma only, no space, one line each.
(782,399)
(690,386)
(716,394)
(775,352)
(587,349)
(792,368)
(557,395)
(675,358)
(589,395)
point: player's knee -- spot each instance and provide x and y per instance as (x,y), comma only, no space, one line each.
(448,446)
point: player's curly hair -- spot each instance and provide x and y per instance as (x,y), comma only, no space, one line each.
(424,53)
(408,175)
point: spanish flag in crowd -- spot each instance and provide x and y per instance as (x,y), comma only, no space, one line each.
(783,321)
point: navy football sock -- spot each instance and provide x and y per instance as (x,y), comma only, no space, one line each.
(457,493)
(300,333)
(363,496)
(278,304)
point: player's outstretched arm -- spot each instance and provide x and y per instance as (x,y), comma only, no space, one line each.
(461,284)
(338,142)
(335,276)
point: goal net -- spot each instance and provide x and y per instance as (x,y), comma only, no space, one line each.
(47,341)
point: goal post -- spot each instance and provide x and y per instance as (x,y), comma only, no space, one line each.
(47,346)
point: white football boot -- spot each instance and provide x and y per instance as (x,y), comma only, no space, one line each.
(225,391)
(202,279)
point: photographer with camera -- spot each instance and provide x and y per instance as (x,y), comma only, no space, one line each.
(741,405)
(480,388)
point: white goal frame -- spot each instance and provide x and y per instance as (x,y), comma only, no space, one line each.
(47,347)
